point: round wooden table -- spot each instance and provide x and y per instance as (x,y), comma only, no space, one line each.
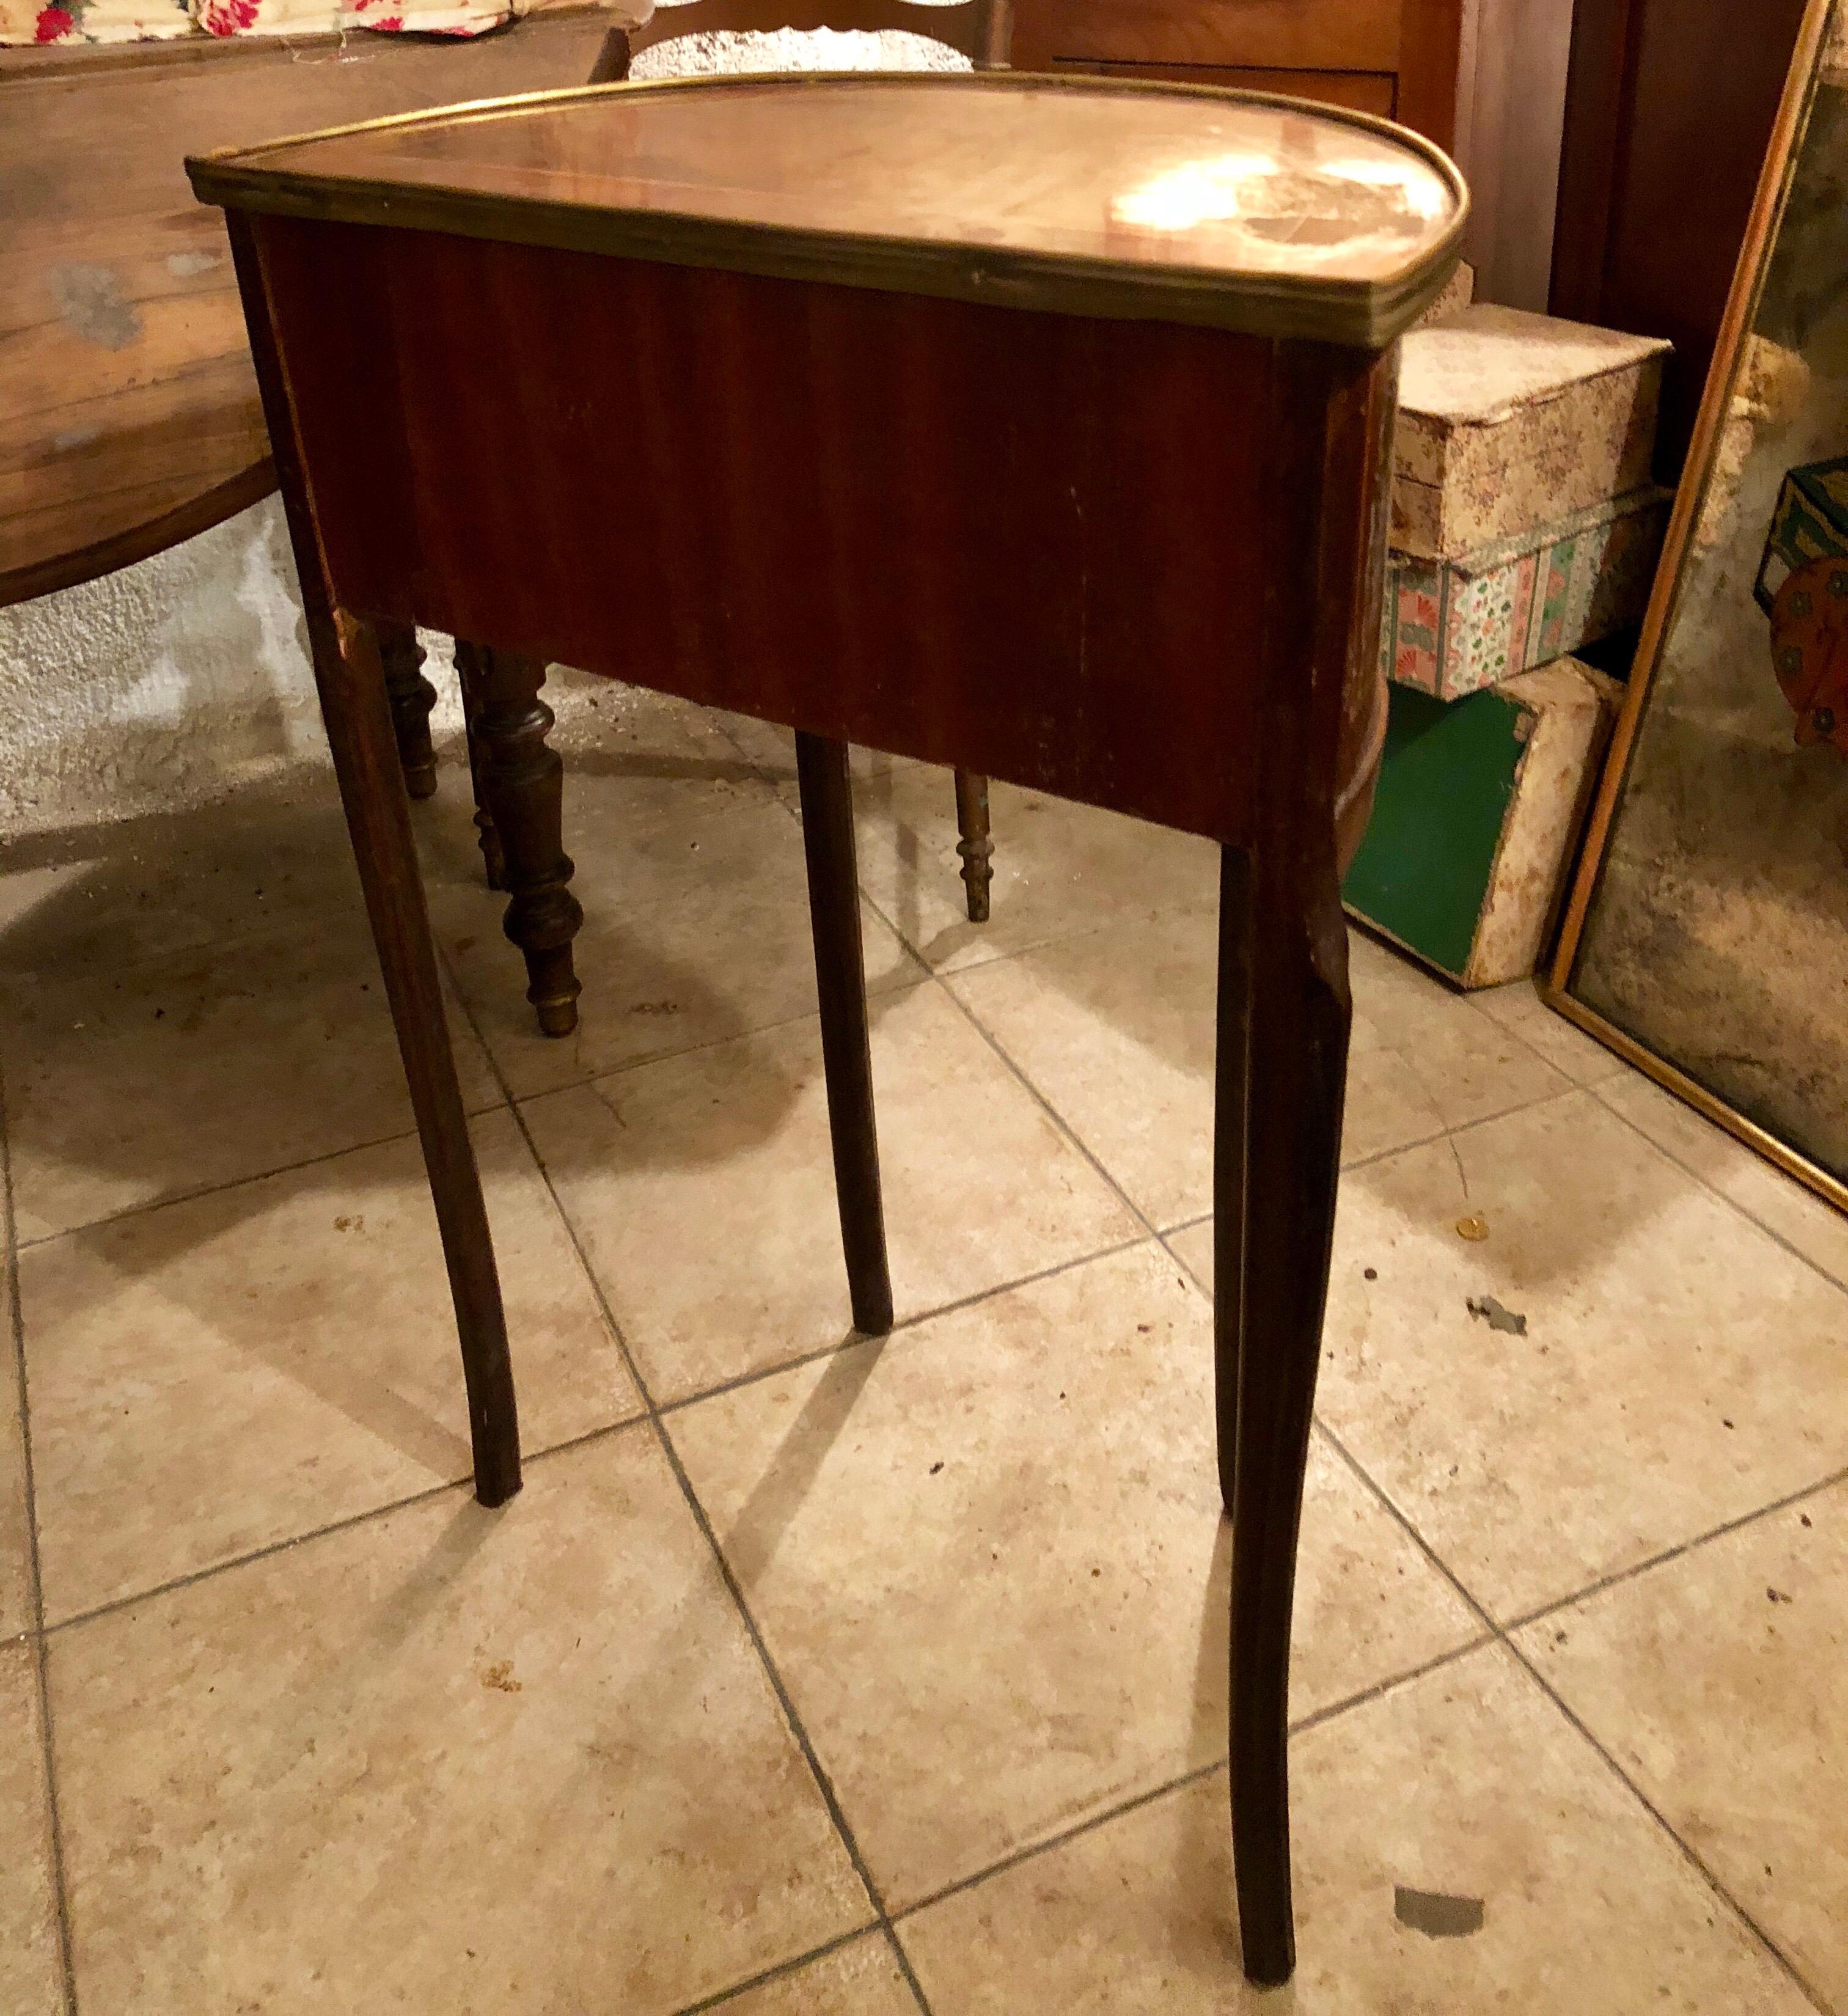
(129,416)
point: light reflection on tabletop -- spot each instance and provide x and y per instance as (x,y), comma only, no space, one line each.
(1167,179)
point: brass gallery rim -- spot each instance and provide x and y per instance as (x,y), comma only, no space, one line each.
(1361,313)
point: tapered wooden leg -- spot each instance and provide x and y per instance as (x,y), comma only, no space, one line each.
(522,781)
(412,697)
(365,762)
(360,735)
(840,972)
(1290,967)
(973,843)
(1231,1086)
(494,860)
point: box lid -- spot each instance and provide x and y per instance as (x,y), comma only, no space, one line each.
(1482,364)
(1496,553)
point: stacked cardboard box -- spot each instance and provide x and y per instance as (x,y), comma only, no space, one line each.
(1525,525)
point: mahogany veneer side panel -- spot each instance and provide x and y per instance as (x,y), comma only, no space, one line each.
(778,497)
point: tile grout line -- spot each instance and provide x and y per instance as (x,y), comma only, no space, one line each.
(823,1783)
(192,1576)
(592,1079)
(915,1321)
(511,1099)
(464,1479)
(34,1583)
(1619,1576)
(1504,1634)
(941,982)
(1121,1808)
(1695,1860)
(1058,1120)
(1501,1636)
(1117,1810)
(1706,1183)
(1460,1127)
(781,1971)
(229,1183)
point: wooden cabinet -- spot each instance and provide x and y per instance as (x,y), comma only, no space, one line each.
(1668,109)
(1396,57)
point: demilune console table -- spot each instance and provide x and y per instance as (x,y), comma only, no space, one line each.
(1036,426)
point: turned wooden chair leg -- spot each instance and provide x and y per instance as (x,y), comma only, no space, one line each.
(412,697)
(494,860)
(826,792)
(1284,955)
(973,843)
(522,781)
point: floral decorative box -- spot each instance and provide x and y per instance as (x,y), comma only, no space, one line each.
(1508,422)
(1452,627)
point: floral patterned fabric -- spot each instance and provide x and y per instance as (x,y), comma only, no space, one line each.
(35,21)
(30,21)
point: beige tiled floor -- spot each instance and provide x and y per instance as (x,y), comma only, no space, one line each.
(810,1674)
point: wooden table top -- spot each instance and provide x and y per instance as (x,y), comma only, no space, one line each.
(128,413)
(1087,195)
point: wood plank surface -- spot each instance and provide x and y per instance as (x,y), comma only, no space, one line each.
(128,410)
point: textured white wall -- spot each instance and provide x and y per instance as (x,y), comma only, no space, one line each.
(163,685)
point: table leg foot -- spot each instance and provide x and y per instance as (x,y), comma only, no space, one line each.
(1288,964)
(522,781)
(826,793)
(412,697)
(973,843)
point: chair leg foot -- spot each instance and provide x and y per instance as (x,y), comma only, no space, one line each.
(973,843)
(520,781)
